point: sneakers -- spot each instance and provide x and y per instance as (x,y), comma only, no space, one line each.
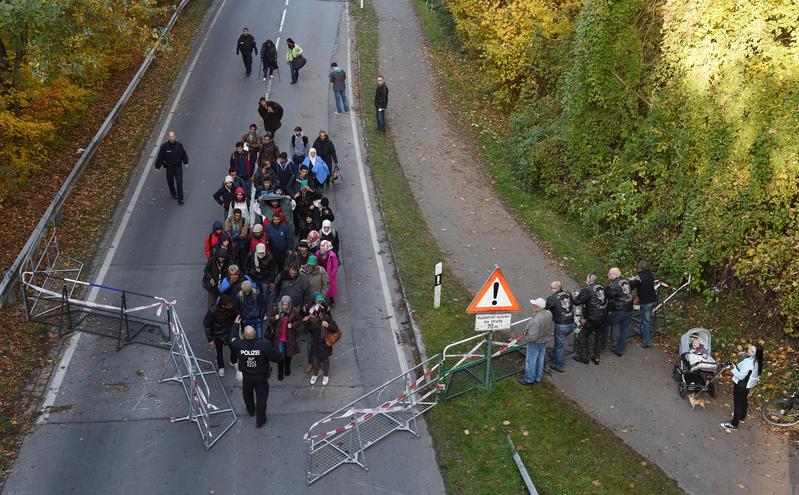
(595,360)
(264,79)
(221,372)
(308,368)
(557,368)
(522,382)
(313,380)
(728,426)
(239,376)
(325,380)
(337,113)
(580,359)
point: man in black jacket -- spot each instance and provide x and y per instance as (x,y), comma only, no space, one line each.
(272,113)
(596,313)
(245,45)
(620,302)
(381,103)
(172,156)
(219,322)
(644,284)
(254,365)
(561,304)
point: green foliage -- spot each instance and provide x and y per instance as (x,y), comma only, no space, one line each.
(670,130)
(54,56)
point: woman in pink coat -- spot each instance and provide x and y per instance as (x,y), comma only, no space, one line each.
(329,260)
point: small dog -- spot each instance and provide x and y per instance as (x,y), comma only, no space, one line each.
(696,401)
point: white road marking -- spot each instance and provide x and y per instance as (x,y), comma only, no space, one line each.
(282,20)
(392,317)
(69,352)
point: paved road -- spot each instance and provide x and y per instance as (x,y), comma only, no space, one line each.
(635,395)
(113,433)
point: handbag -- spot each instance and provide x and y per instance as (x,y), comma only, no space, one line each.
(333,337)
(298,62)
(336,177)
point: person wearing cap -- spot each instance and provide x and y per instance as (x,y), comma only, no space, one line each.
(218,323)
(257,237)
(245,45)
(318,323)
(285,321)
(224,195)
(269,150)
(328,259)
(595,312)
(328,233)
(537,332)
(304,199)
(280,239)
(620,304)
(249,307)
(259,266)
(299,146)
(254,366)
(215,270)
(211,241)
(317,276)
(272,113)
(561,304)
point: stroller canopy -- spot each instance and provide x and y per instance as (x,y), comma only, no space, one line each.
(703,334)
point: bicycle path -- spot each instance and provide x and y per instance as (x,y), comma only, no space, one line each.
(635,396)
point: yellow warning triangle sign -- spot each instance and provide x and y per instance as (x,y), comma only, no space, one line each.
(495,296)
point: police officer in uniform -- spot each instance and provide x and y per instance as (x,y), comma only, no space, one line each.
(620,303)
(245,45)
(254,357)
(172,156)
(596,314)
(561,304)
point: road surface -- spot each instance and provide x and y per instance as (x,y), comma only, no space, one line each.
(110,430)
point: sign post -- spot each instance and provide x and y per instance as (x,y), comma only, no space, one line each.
(492,307)
(437,286)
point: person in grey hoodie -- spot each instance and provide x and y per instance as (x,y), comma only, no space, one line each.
(538,330)
(339,79)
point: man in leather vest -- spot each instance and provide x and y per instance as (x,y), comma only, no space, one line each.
(596,314)
(620,302)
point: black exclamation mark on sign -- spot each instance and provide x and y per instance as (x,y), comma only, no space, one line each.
(496,291)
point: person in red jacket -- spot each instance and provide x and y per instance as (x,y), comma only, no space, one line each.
(212,239)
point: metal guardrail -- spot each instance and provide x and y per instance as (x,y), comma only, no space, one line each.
(11,276)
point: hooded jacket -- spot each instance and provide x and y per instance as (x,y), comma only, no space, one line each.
(224,196)
(213,239)
(271,120)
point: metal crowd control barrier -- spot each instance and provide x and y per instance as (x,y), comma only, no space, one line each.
(343,436)
(53,300)
(50,216)
(209,406)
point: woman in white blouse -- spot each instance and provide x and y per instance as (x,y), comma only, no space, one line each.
(745,375)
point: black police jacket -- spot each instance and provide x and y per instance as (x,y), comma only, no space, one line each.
(254,355)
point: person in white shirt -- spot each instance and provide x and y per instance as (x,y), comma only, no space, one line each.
(745,375)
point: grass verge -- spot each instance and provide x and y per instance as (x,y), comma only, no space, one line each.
(564,449)
(561,237)
(28,349)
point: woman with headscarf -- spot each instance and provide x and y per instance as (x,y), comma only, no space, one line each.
(328,233)
(745,375)
(319,322)
(313,241)
(329,261)
(285,320)
(317,167)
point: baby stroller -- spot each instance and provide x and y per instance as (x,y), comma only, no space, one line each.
(696,370)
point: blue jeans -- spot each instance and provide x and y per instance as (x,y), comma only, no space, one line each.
(381,119)
(562,331)
(341,97)
(281,347)
(646,318)
(295,74)
(534,364)
(622,319)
